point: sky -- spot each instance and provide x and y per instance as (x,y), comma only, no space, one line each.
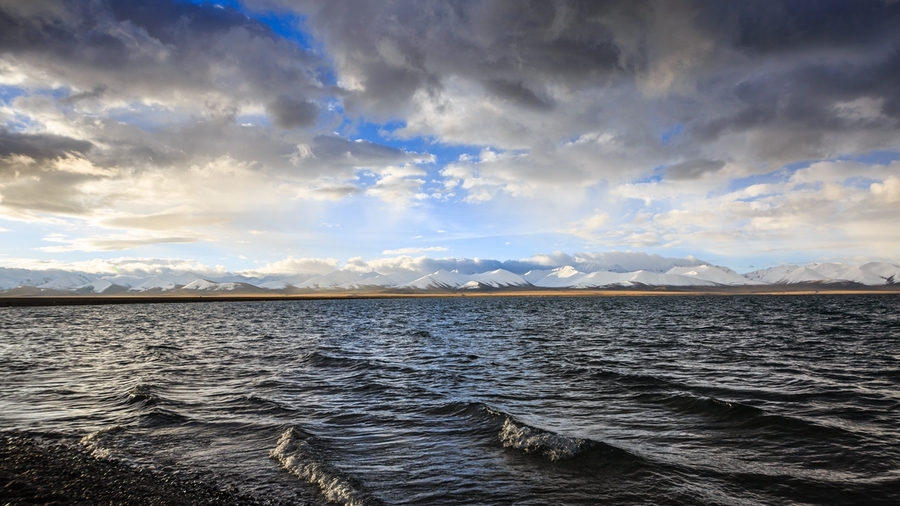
(290,135)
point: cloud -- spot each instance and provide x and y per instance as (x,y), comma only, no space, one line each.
(412,251)
(423,265)
(97,92)
(162,221)
(887,191)
(848,206)
(290,113)
(616,261)
(747,84)
(631,123)
(40,146)
(115,242)
(133,266)
(693,169)
(587,228)
(168,51)
(518,93)
(293,265)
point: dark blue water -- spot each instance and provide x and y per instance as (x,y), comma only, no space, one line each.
(551,400)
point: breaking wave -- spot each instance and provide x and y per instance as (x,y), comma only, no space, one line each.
(553,447)
(101,442)
(297,455)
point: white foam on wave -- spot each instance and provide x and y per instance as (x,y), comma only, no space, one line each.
(101,443)
(299,458)
(553,447)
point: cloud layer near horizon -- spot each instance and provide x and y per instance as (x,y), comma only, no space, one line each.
(688,126)
(421,265)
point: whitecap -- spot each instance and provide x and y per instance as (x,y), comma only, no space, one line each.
(552,446)
(298,457)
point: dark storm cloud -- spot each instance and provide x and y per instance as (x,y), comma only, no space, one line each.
(164,50)
(580,90)
(97,92)
(30,175)
(518,93)
(289,113)
(773,27)
(40,146)
(720,68)
(167,20)
(197,66)
(693,169)
(399,48)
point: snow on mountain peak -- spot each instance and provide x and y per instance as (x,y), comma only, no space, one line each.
(688,273)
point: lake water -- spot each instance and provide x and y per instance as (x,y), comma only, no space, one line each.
(507,400)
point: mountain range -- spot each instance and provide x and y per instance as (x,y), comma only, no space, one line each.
(677,274)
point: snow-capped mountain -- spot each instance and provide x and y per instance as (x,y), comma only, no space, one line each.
(498,278)
(702,275)
(453,280)
(381,280)
(440,279)
(68,282)
(870,274)
(168,281)
(646,278)
(274,285)
(335,279)
(12,278)
(101,286)
(205,285)
(563,277)
(718,275)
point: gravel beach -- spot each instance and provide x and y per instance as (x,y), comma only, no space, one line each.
(39,470)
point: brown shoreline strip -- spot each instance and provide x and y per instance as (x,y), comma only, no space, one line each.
(77,300)
(40,471)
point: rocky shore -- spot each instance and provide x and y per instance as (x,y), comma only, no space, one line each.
(38,470)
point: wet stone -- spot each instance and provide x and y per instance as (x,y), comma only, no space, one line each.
(38,470)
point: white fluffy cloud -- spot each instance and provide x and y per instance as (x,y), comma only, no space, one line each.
(293,265)
(132,266)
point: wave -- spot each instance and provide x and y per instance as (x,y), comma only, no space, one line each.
(140,394)
(163,347)
(263,404)
(145,406)
(319,359)
(705,406)
(99,442)
(297,454)
(158,417)
(531,440)
(743,416)
(554,447)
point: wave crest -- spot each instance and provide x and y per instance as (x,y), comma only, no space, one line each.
(552,446)
(295,453)
(99,442)
(141,394)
